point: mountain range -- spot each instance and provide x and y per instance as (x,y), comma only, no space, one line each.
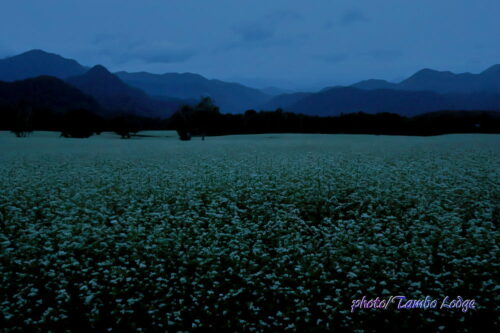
(159,95)
(230,97)
(42,93)
(335,101)
(425,91)
(146,93)
(37,63)
(114,95)
(442,82)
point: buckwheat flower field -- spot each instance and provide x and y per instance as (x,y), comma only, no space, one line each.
(263,233)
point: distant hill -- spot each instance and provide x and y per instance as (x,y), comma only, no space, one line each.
(284,101)
(170,90)
(274,91)
(442,82)
(335,101)
(425,91)
(230,97)
(44,92)
(375,84)
(35,63)
(116,96)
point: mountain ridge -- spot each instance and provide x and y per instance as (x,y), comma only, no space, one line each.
(36,63)
(116,96)
(159,95)
(340,100)
(230,97)
(44,92)
(487,81)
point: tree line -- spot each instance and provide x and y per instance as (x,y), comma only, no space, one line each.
(77,123)
(204,119)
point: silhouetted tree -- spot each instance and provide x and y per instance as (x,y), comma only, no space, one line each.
(80,124)
(182,122)
(279,121)
(22,122)
(205,117)
(201,120)
(125,126)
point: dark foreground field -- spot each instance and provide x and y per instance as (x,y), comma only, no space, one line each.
(247,233)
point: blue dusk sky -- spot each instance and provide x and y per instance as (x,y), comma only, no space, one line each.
(286,43)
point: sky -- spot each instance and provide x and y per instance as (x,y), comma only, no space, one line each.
(289,44)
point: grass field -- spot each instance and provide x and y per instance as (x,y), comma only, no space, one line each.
(247,233)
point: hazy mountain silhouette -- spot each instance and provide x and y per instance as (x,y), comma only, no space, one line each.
(230,97)
(284,101)
(36,63)
(275,91)
(172,89)
(425,91)
(116,96)
(374,85)
(442,82)
(44,92)
(335,101)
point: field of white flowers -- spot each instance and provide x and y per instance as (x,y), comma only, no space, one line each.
(247,233)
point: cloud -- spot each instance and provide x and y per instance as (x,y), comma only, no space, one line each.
(124,50)
(254,32)
(382,55)
(352,16)
(264,28)
(161,52)
(377,55)
(283,15)
(347,18)
(335,58)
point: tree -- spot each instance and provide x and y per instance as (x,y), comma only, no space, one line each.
(182,122)
(206,115)
(80,123)
(22,124)
(200,120)
(125,126)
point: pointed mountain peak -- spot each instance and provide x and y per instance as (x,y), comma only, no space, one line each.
(97,75)
(36,52)
(98,70)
